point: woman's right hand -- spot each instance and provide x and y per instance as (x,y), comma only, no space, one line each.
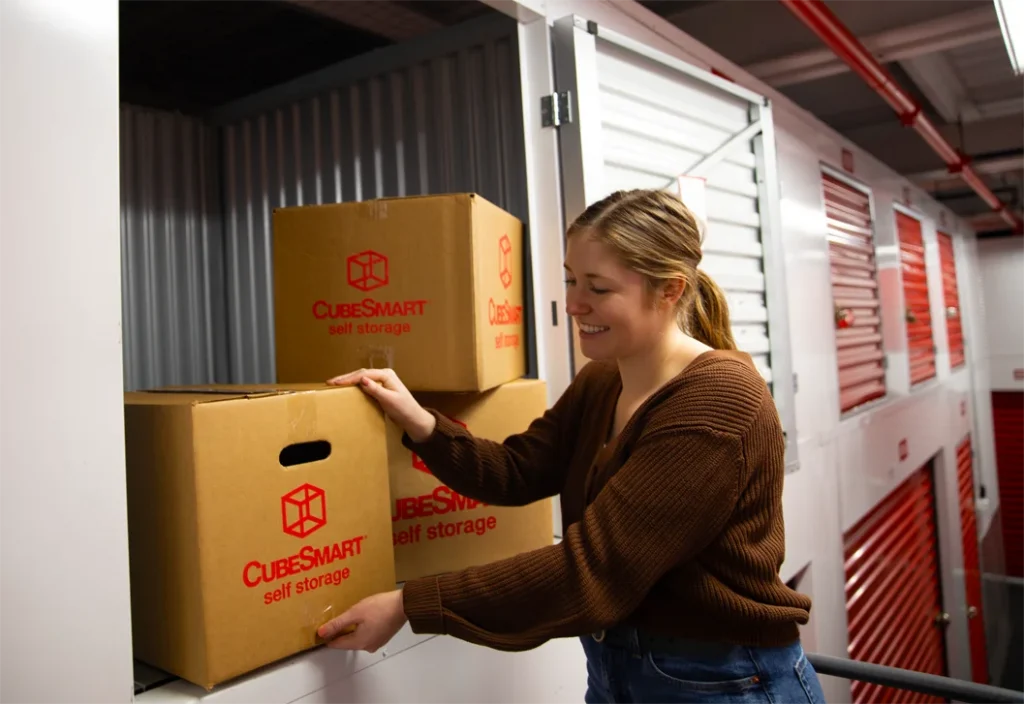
(384,386)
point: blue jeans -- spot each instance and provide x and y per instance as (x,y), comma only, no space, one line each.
(627,671)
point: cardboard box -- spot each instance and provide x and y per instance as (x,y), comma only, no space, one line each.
(431,286)
(254,516)
(438,530)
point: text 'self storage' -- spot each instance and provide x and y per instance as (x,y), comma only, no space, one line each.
(431,286)
(255,515)
(438,530)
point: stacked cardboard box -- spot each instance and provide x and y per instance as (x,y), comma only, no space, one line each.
(254,516)
(258,513)
(431,287)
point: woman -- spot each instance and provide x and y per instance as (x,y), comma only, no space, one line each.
(668,453)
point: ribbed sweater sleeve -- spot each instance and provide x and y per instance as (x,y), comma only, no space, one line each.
(526,467)
(668,501)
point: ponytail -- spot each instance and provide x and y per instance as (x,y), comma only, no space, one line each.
(709,317)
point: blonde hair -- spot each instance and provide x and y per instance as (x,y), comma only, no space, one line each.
(657,236)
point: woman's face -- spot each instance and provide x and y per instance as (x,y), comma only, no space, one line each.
(617,315)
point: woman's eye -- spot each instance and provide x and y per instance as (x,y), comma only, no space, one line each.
(570,282)
(599,290)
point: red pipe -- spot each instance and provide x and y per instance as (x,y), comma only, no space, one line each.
(827,26)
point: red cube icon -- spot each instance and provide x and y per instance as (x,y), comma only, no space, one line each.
(505,260)
(367,270)
(303,510)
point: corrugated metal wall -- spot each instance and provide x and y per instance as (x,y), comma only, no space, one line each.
(440,115)
(447,124)
(171,251)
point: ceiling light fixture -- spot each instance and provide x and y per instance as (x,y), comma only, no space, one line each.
(1011,23)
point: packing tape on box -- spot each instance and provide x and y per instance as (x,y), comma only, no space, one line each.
(375,210)
(379,356)
(320,619)
(302,412)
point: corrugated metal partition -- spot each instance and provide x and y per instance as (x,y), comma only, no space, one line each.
(920,340)
(893,595)
(951,300)
(448,122)
(972,562)
(171,251)
(851,244)
(1008,424)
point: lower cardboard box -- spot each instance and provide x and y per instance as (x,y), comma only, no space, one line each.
(255,515)
(437,530)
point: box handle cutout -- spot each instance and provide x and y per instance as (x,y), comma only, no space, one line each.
(304,453)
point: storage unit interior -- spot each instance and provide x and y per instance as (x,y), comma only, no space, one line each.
(230,110)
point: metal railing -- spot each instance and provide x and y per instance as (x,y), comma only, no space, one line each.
(908,680)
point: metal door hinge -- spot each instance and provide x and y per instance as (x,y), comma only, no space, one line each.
(796,384)
(556,109)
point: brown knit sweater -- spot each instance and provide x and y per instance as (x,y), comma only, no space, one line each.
(675,527)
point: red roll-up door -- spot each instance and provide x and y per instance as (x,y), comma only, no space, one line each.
(972,562)
(851,245)
(951,300)
(1008,426)
(893,598)
(920,342)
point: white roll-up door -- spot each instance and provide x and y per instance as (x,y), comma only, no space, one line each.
(633,117)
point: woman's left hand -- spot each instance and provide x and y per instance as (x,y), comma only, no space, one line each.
(376,620)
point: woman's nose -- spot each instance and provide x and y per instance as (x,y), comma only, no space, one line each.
(574,306)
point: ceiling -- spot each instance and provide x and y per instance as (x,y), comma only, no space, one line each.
(194,55)
(947,54)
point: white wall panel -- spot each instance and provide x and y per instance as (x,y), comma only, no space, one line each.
(171,250)
(65,621)
(977,381)
(411,668)
(1001,273)
(440,117)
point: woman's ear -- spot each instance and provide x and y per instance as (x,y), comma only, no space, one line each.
(672,291)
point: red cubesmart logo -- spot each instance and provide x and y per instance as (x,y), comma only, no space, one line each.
(367,270)
(418,463)
(505,260)
(303,510)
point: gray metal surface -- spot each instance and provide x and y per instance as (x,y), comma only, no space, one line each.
(171,244)
(448,123)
